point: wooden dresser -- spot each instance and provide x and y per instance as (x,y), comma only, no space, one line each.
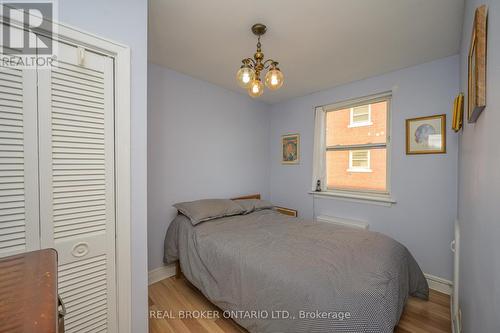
(28,293)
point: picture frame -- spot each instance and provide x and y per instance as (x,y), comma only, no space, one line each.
(290,149)
(426,135)
(476,85)
(458,113)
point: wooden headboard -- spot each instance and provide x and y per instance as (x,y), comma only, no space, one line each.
(252,196)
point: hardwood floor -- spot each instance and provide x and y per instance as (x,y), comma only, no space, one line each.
(169,296)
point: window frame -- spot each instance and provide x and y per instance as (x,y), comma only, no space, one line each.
(364,194)
(353,124)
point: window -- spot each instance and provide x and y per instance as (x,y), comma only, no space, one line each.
(352,146)
(359,161)
(360,116)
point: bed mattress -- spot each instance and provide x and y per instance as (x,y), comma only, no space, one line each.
(274,273)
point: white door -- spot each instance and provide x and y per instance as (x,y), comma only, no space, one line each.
(18,161)
(77,211)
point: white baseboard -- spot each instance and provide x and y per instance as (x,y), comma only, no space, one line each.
(160,273)
(439,284)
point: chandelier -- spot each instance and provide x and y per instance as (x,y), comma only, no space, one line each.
(248,75)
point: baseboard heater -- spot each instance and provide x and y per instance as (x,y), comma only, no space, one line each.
(340,221)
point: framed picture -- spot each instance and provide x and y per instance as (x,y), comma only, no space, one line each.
(458,113)
(477,66)
(426,135)
(290,144)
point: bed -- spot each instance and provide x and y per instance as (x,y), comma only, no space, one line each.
(275,273)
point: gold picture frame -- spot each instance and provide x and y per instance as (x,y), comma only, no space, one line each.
(290,149)
(476,94)
(426,135)
(458,113)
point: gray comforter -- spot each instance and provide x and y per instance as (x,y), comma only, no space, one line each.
(273,273)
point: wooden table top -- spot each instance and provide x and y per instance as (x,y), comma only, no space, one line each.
(28,292)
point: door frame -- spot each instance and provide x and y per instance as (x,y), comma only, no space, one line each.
(123,258)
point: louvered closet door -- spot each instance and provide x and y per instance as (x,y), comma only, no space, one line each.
(77,184)
(18,161)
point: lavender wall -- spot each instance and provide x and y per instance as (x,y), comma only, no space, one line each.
(203,142)
(479,189)
(424,186)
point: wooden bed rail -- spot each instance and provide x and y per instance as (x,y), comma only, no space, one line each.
(252,196)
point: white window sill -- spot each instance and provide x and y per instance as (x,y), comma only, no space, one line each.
(376,199)
(358,170)
(353,125)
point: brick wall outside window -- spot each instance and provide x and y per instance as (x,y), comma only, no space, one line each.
(338,132)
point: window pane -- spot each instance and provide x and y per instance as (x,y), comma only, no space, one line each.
(361,114)
(360,118)
(340,175)
(362,109)
(338,131)
(359,159)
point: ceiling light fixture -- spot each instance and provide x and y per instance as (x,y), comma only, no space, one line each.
(248,75)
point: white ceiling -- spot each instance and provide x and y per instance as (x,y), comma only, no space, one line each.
(319,43)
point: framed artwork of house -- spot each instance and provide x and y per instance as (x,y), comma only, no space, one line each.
(290,147)
(426,135)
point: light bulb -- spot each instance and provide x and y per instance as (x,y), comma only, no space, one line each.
(274,79)
(256,88)
(244,76)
